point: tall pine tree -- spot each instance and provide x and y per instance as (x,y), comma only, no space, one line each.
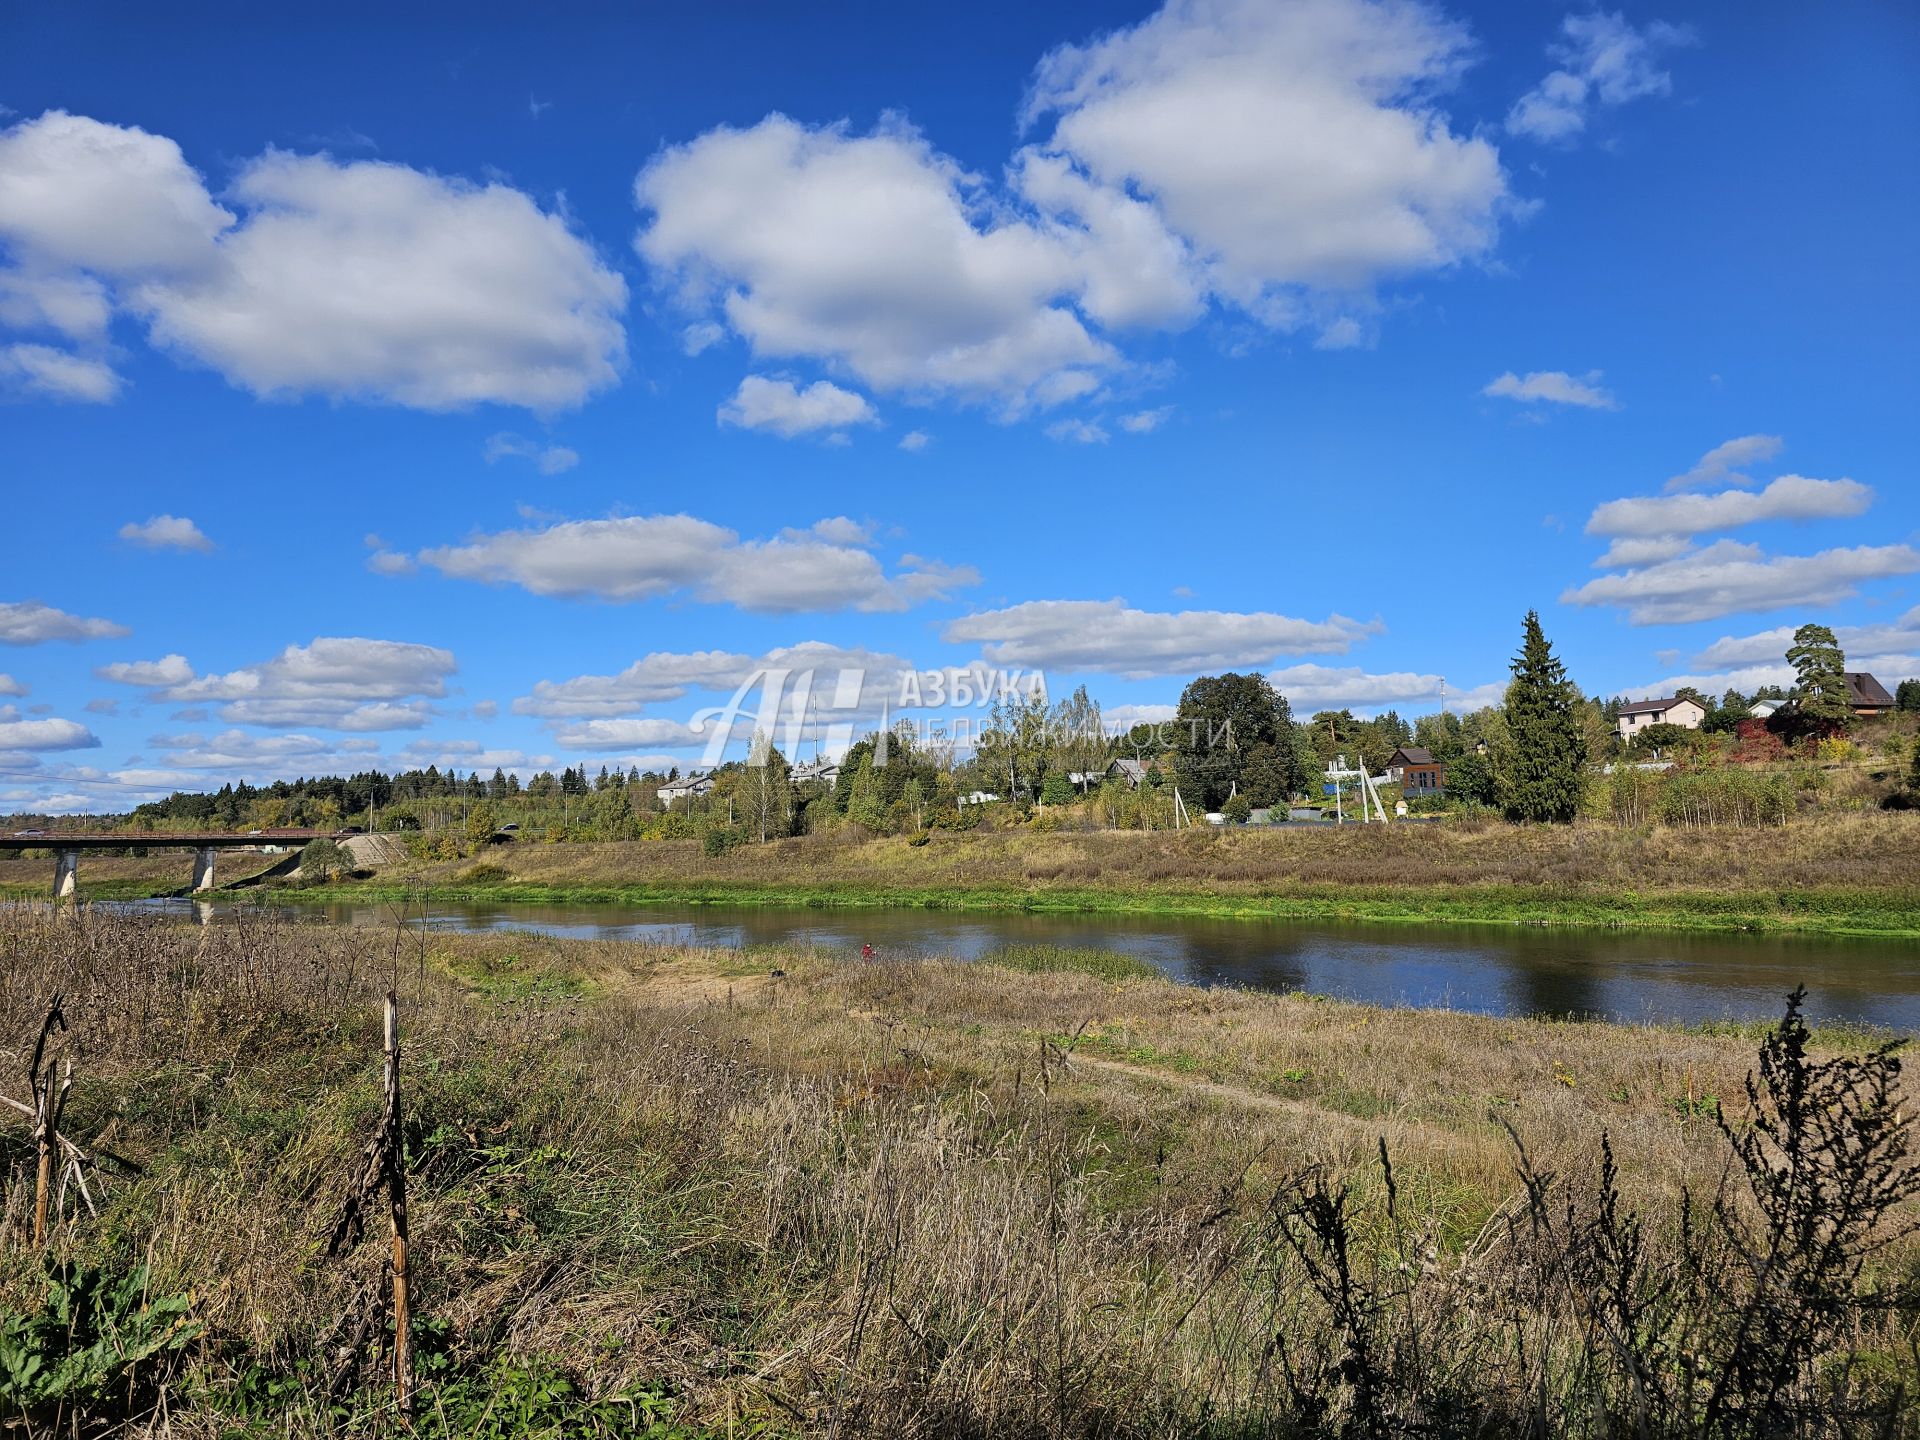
(1546,766)
(1820,691)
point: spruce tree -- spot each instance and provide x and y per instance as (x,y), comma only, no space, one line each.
(1546,770)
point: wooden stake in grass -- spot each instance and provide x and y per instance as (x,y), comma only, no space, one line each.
(397,1211)
(49,1102)
(386,1169)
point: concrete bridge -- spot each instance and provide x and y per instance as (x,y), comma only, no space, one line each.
(66,848)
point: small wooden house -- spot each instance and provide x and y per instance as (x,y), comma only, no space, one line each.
(1417,773)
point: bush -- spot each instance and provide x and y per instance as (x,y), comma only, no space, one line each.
(719,841)
(1238,810)
(1749,1328)
(1837,750)
(1661,737)
(323,859)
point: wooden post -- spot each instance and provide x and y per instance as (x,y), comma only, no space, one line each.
(396,1167)
(48,1101)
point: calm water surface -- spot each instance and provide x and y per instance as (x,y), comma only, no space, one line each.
(1498,970)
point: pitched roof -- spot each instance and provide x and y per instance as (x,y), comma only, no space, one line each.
(1412,755)
(1863,689)
(1647,707)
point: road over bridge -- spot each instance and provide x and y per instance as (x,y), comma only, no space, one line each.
(67,845)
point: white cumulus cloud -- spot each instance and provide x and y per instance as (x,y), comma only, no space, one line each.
(1078,432)
(166,532)
(363,279)
(1602,60)
(607,735)
(1721,465)
(1553,387)
(1294,147)
(1285,159)
(44,735)
(642,557)
(1791,497)
(1328,687)
(1862,643)
(335,682)
(1110,636)
(1728,577)
(1144,422)
(547,459)
(787,410)
(27,622)
(59,374)
(864,251)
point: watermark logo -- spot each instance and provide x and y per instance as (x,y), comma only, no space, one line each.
(787,708)
(949,708)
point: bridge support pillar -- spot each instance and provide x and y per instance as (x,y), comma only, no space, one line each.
(202,870)
(66,874)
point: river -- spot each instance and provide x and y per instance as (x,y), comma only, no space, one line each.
(1489,969)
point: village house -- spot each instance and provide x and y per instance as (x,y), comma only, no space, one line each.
(689,787)
(1678,710)
(825,772)
(1416,772)
(1133,772)
(1868,695)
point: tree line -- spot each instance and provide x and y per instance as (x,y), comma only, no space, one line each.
(1233,745)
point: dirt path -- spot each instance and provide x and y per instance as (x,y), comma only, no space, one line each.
(691,981)
(1234,1094)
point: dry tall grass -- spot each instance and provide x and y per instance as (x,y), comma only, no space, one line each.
(1865,851)
(782,1195)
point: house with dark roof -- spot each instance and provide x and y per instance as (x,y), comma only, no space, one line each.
(1868,695)
(1637,715)
(1417,773)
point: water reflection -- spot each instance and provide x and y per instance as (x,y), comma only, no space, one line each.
(1496,970)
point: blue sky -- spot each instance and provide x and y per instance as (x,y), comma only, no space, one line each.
(478,390)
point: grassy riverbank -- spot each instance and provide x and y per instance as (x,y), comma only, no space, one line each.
(672,1193)
(1845,875)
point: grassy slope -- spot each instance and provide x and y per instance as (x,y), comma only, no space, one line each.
(1855,875)
(125,877)
(669,1172)
(1837,875)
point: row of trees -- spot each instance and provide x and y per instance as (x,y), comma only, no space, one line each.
(1234,743)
